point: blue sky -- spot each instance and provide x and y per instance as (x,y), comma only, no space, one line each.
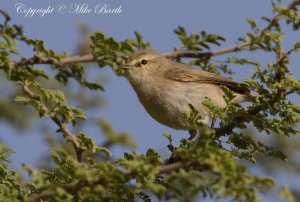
(155,20)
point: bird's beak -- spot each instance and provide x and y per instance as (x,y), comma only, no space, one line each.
(124,67)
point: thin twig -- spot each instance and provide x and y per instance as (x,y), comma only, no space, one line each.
(42,195)
(61,62)
(174,166)
(236,48)
(62,126)
(75,187)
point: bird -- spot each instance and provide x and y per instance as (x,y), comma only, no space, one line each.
(166,89)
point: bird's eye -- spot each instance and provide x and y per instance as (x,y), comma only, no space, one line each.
(144,62)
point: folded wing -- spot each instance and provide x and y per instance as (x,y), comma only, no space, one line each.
(188,74)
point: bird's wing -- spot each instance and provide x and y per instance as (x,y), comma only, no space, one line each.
(188,74)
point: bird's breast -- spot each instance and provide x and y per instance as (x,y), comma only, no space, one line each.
(166,101)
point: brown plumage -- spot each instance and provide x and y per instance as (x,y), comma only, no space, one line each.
(166,88)
(185,73)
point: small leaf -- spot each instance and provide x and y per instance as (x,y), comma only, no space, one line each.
(252,23)
(297,46)
(21,98)
(285,193)
(168,136)
(5,15)
(104,150)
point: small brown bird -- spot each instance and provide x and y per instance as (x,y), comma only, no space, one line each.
(166,88)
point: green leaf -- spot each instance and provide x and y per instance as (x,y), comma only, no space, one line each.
(242,61)
(5,15)
(168,136)
(285,193)
(252,23)
(144,197)
(138,37)
(21,98)
(297,46)
(104,150)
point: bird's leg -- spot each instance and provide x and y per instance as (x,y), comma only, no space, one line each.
(193,133)
(173,158)
(213,121)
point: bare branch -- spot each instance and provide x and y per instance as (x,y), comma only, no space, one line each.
(174,166)
(61,62)
(236,48)
(43,195)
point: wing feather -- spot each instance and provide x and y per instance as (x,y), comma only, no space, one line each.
(184,73)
